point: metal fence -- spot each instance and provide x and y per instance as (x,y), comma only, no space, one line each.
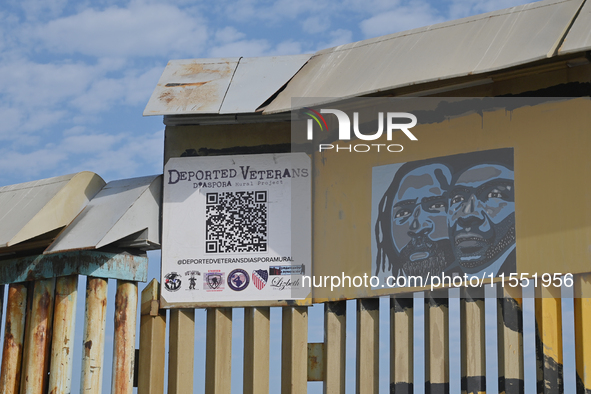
(39,346)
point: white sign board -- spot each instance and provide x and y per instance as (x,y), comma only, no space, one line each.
(236,229)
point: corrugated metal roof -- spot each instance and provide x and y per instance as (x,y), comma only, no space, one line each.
(578,38)
(31,209)
(212,86)
(256,79)
(124,213)
(473,45)
(192,86)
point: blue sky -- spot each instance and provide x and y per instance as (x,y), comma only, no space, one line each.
(76,76)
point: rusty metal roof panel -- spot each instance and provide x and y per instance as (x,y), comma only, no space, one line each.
(473,45)
(258,78)
(578,38)
(32,209)
(124,213)
(192,86)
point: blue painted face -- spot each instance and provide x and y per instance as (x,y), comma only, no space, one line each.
(419,215)
(481,215)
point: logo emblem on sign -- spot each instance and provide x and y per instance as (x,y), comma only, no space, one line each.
(259,278)
(192,279)
(214,280)
(238,280)
(172,281)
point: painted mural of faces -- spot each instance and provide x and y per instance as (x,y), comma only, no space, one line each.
(482,216)
(419,220)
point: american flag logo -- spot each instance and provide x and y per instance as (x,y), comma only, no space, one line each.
(259,278)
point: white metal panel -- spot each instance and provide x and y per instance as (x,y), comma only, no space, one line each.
(192,86)
(20,203)
(578,38)
(121,209)
(31,209)
(258,78)
(473,45)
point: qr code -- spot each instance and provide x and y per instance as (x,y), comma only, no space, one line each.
(236,222)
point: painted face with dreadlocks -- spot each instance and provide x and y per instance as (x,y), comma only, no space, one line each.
(419,222)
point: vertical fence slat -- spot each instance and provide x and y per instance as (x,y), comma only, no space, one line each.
(472,328)
(93,340)
(64,324)
(368,342)
(14,336)
(401,345)
(180,356)
(124,337)
(34,377)
(436,342)
(2,288)
(510,339)
(218,359)
(152,342)
(335,327)
(256,350)
(582,309)
(549,340)
(294,350)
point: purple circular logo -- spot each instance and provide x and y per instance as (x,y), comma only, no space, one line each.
(238,280)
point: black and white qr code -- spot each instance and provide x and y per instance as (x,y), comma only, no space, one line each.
(236,222)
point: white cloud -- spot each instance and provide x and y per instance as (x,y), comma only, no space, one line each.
(42,118)
(28,165)
(11,119)
(463,8)
(34,84)
(140,87)
(130,156)
(275,13)
(100,96)
(370,6)
(256,48)
(401,19)
(316,24)
(228,34)
(247,48)
(141,29)
(132,88)
(337,37)
(42,9)
(288,48)
(89,143)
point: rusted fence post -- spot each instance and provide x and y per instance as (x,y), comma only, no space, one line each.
(14,336)
(256,350)
(401,344)
(34,377)
(93,340)
(294,350)
(124,339)
(368,345)
(335,328)
(64,323)
(152,342)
